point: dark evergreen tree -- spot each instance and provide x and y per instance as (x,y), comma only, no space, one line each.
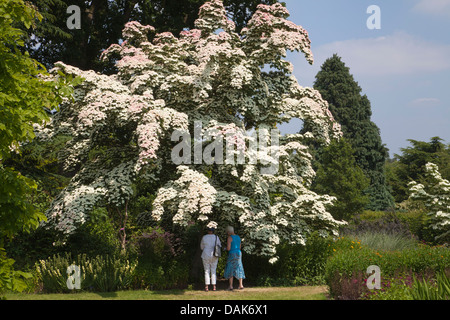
(353,111)
(339,176)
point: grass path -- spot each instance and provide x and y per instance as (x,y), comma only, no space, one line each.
(256,293)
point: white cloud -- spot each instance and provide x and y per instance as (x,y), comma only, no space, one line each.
(425,102)
(433,7)
(396,54)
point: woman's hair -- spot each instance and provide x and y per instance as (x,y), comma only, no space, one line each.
(230,229)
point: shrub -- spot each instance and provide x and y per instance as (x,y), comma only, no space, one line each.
(96,237)
(409,222)
(377,222)
(153,276)
(161,260)
(305,264)
(101,273)
(156,244)
(297,264)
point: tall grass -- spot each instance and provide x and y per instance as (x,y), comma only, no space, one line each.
(386,241)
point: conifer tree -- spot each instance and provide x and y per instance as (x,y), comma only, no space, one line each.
(339,176)
(353,111)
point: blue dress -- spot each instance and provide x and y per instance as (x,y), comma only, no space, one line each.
(234,267)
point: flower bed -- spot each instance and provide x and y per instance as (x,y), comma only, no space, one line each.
(346,270)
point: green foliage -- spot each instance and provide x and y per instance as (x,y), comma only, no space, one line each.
(16,213)
(339,176)
(305,265)
(25,97)
(440,290)
(384,230)
(97,236)
(10,279)
(25,93)
(161,260)
(297,264)
(26,248)
(353,111)
(410,165)
(100,273)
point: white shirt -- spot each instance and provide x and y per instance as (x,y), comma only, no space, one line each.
(207,245)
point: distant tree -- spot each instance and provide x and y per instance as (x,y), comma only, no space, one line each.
(353,111)
(102,22)
(410,165)
(338,175)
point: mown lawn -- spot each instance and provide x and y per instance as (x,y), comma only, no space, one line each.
(257,293)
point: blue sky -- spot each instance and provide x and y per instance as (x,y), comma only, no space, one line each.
(403,68)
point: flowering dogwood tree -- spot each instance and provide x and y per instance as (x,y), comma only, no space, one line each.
(436,196)
(121,129)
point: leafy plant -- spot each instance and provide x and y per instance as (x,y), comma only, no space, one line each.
(10,279)
(424,290)
(101,273)
(160,260)
(26,96)
(297,264)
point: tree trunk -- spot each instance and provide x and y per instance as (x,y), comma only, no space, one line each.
(197,263)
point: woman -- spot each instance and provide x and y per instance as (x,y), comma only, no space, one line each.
(234,267)
(209,260)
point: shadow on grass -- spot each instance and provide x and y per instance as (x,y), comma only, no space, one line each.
(140,295)
(107,295)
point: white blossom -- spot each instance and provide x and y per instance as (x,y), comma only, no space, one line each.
(436,196)
(119,127)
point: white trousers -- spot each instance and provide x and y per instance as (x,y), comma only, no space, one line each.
(210,266)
